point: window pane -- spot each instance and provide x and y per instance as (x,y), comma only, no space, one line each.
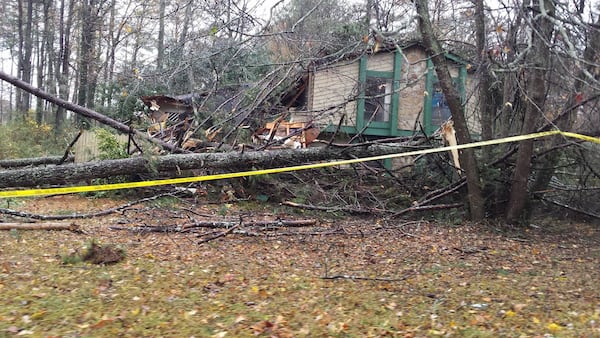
(377,99)
(440,111)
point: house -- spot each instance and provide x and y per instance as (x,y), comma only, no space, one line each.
(384,93)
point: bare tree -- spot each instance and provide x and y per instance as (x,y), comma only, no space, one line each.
(25,28)
(476,201)
(62,68)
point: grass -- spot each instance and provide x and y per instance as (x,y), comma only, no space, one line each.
(271,286)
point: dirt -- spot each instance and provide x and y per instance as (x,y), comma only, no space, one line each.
(346,276)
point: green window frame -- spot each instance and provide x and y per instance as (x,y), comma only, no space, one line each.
(428,123)
(384,123)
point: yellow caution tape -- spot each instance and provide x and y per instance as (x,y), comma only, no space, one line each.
(130,185)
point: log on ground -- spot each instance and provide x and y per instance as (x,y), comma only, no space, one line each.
(40,226)
(35,161)
(230,161)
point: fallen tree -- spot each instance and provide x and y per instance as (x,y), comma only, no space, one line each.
(231,161)
(35,161)
(83,111)
(40,226)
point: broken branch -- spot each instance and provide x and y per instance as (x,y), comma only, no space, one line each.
(40,226)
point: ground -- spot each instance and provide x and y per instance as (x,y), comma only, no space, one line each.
(344,277)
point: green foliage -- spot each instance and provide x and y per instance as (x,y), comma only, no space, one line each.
(27,138)
(10,202)
(110,147)
(14,233)
(71,258)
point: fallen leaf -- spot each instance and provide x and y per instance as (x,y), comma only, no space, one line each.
(102,323)
(518,307)
(553,327)
(239,319)
(25,333)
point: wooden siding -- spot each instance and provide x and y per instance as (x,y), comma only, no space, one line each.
(331,88)
(412,88)
(86,147)
(334,85)
(383,62)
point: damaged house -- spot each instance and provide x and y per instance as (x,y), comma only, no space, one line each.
(386,93)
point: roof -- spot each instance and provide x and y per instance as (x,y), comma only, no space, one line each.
(377,48)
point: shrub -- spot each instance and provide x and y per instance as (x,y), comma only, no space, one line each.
(27,138)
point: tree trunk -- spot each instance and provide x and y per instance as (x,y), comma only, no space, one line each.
(160,57)
(63,62)
(536,89)
(87,47)
(73,173)
(48,42)
(40,226)
(25,53)
(467,156)
(485,105)
(565,121)
(34,161)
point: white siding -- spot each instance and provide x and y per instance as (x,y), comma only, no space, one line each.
(333,93)
(383,62)
(412,88)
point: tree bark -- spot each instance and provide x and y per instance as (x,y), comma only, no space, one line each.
(86,54)
(160,53)
(536,89)
(467,156)
(35,161)
(485,107)
(25,53)
(39,226)
(62,65)
(83,111)
(73,173)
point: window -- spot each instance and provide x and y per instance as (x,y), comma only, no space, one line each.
(440,112)
(378,98)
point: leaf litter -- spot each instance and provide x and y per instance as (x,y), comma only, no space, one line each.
(370,277)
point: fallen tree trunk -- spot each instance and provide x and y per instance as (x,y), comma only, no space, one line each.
(83,111)
(40,226)
(35,161)
(218,225)
(230,161)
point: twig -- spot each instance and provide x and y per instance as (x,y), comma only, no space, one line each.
(337,129)
(68,150)
(217,225)
(277,223)
(148,228)
(568,207)
(439,193)
(221,234)
(334,209)
(428,207)
(378,279)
